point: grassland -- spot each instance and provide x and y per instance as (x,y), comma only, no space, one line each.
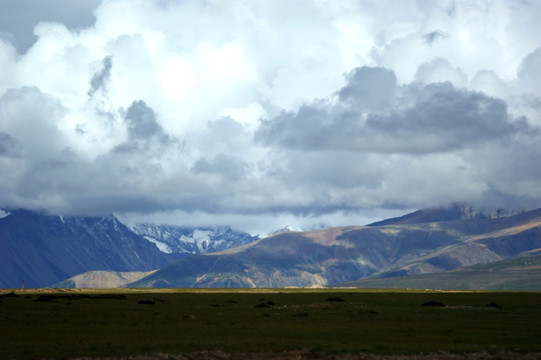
(123,322)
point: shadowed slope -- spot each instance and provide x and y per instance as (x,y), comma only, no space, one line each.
(42,250)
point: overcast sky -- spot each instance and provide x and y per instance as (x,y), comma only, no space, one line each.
(259,114)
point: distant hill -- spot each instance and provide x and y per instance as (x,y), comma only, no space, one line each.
(337,255)
(518,273)
(102,279)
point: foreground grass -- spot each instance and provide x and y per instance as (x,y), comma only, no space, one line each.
(73,323)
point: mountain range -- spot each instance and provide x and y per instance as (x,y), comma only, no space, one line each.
(427,241)
(45,250)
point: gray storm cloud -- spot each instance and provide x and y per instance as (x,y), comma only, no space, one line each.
(415,119)
(141,121)
(9,147)
(223,165)
(369,89)
(30,118)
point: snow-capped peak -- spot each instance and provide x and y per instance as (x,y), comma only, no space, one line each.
(179,239)
(286,229)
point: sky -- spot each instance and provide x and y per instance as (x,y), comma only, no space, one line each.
(261,114)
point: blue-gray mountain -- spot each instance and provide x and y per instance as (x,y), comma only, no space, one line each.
(42,249)
(428,241)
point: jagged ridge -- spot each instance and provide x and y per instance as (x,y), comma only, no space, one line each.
(190,240)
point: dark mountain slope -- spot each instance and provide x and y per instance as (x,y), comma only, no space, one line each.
(42,249)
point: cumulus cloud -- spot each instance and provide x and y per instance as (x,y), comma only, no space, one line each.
(370,89)
(255,113)
(419,119)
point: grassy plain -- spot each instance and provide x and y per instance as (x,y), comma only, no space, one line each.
(73,323)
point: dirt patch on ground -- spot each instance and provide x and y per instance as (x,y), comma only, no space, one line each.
(307,355)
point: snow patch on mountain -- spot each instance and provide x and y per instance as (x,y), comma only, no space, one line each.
(163,247)
(285,229)
(200,238)
(4,214)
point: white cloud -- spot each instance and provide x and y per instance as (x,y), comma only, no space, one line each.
(370,107)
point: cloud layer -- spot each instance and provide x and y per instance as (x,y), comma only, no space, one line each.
(257,113)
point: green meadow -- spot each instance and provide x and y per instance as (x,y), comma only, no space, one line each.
(122,322)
